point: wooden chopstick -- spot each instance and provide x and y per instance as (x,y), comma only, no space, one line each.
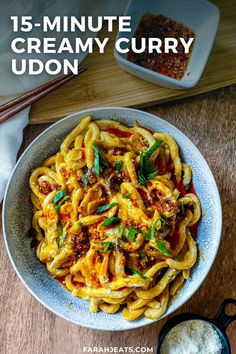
(14,101)
(34,95)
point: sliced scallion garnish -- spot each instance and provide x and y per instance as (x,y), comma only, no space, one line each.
(107,247)
(121,229)
(59,195)
(126,195)
(106,207)
(152,148)
(111,220)
(162,248)
(57,207)
(99,159)
(133,231)
(85,180)
(136,272)
(118,166)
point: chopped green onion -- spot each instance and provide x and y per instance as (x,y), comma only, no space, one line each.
(149,166)
(126,195)
(106,207)
(146,169)
(148,235)
(136,272)
(143,256)
(57,207)
(164,221)
(146,165)
(108,247)
(121,229)
(103,159)
(141,164)
(163,248)
(118,166)
(98,158)
(154,146)
(59,195)
(85,180)
(101,155)
(132,232)
(60,237)
(152,231)
(152,175)
(141,178)
(96,163)
(110,221)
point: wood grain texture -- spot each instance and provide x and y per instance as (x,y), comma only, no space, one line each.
(26,327)
(106,84)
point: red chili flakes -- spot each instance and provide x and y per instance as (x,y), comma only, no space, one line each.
(126,177)
(118,151)
(93,277)
(63,171)
(70,262)
(98,258)
(170,64)
(56,187)
(143,141)
(66,172)
(163,205)
(135,203)
(45,187)
(80,244)
(63,218)
(144,196)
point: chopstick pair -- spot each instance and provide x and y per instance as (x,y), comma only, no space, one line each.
(19,103)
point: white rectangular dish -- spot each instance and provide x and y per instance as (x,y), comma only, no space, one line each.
(199,15)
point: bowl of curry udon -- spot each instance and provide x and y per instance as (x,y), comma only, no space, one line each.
(112,218)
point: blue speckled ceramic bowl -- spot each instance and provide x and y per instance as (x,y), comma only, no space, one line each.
(17,212)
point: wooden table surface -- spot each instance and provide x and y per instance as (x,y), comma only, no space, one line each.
(26,327)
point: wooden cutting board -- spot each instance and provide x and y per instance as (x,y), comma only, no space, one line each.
(106,84)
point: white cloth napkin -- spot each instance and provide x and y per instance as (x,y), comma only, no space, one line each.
(11,132)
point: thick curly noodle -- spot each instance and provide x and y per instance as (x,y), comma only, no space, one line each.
(98,164)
